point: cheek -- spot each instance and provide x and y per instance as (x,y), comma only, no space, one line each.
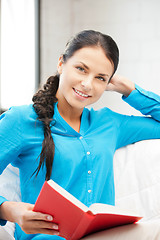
(68,78)
(99,89)
(63,80)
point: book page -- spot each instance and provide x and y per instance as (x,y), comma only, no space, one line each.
(67,195)
(105,208)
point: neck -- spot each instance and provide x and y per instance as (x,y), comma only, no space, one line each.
(69,112)
(66,110)
(73,118)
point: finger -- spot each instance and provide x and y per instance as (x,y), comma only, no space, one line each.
(30,206)
(48,231)
(109,87)
(41,230)
(31,215)
(44,224)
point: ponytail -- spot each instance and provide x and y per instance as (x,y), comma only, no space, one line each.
(44,107)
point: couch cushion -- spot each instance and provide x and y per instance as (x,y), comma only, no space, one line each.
(137,178)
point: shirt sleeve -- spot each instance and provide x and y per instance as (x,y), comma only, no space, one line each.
(136,128)
(10,137)
(2,200)
(10,141)
(148,103)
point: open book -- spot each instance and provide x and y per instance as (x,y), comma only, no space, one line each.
(75,219)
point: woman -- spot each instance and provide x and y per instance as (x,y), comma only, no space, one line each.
(58,138)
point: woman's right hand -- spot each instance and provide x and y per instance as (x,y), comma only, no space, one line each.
(30,222)
(121,85)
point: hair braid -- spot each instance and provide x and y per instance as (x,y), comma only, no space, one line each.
(44,107)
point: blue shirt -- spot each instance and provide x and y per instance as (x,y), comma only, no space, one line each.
(83,162)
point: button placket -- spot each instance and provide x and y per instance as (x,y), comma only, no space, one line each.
(89,177)
(89,183)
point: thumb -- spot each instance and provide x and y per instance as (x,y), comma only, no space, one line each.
(29,206)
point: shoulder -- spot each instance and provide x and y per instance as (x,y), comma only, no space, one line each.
(23,111)
(17,115)
(104,115)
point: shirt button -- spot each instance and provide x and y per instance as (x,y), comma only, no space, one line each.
(88,153)
(89,172)
(89,190)
(80,137)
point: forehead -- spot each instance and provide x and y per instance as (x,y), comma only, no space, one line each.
(94,58)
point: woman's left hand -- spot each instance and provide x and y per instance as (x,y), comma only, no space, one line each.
(121,85)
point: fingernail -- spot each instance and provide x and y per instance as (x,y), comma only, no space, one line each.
(55,227)
(50,218)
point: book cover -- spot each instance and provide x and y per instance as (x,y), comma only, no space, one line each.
(76,220)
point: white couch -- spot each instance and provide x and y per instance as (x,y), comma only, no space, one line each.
(137,187)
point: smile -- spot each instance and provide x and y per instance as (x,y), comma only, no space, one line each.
(81,94)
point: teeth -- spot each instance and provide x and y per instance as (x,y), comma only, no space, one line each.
(81,94)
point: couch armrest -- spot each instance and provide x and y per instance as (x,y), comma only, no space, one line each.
(5,235)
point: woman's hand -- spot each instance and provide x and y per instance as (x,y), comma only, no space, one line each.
(121,85)
(30,222)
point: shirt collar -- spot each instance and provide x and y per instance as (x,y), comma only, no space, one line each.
(61,127)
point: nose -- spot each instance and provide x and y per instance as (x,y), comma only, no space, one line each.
(87,83)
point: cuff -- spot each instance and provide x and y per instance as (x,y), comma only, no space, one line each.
(2,200)
(139,96)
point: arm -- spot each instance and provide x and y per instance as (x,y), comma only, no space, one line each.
(148,103)
(134,128)
(11,145)
(29,221)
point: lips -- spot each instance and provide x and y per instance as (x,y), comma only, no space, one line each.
(81,93)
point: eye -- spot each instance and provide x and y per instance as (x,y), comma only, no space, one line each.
(102,79)
(81,69)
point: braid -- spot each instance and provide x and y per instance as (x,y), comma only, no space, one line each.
(44,107)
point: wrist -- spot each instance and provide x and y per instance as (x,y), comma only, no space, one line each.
(128,88)
(6,211)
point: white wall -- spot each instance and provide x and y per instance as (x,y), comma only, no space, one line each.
(135,26)
(17,52)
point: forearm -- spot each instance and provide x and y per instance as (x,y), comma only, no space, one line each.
(7,211)
(30,222)
(148,103)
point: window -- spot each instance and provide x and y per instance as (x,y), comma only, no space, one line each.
(19,45)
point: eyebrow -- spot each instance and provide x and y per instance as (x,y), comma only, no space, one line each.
(101,74)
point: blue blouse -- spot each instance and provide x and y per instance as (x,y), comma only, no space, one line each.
(83,162)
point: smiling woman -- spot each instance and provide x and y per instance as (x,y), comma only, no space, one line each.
(80,49)
(80,81)
(58,138)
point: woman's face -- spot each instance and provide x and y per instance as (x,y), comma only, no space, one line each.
(83,77)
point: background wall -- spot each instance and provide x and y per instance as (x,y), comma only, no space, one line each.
(134,25)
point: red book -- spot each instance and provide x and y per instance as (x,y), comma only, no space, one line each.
(75,219)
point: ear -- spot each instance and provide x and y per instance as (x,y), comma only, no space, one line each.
(60,64)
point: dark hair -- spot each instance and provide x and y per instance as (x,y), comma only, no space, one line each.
(44,99)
